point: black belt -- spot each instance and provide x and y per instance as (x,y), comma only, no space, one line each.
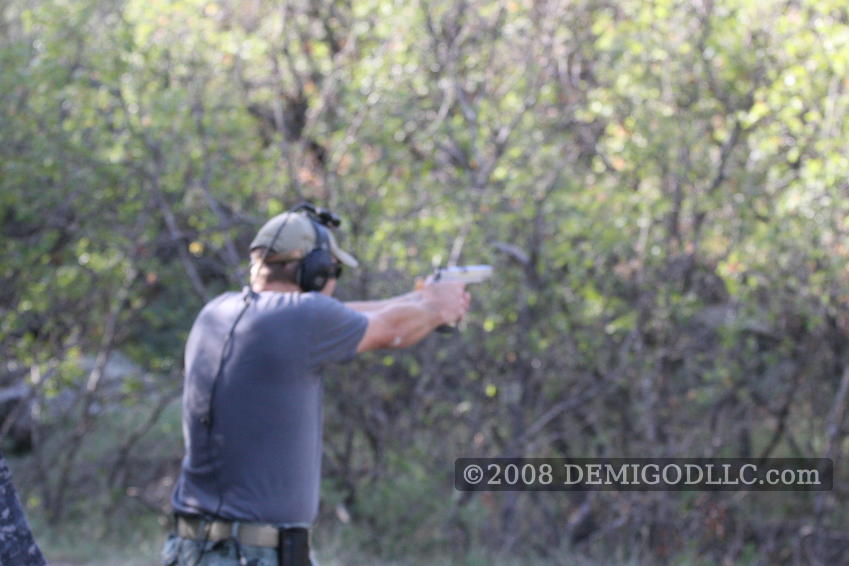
(292,544)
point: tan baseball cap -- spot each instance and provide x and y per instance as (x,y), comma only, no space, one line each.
(297,238)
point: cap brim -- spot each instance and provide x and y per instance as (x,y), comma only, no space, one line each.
(344,257)
(340,254)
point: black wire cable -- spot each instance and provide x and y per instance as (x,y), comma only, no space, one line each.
(226,350)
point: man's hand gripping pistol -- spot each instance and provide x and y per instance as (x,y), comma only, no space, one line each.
(463,273)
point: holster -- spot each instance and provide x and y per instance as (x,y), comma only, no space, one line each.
(293,548)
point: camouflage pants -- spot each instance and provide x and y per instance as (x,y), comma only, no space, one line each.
(179,551)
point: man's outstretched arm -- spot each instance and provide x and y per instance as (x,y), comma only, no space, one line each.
(402,321)
(371,306)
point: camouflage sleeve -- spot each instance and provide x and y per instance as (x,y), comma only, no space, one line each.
(17,547)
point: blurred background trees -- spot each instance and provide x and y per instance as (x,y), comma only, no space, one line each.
(660,185)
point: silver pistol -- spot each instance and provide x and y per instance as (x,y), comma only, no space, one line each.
(465,274)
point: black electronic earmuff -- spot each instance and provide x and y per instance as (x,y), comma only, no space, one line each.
(318,265)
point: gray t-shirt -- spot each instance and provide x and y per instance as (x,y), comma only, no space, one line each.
(260,461)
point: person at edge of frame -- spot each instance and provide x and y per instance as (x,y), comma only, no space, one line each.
(248,489)
(16,543)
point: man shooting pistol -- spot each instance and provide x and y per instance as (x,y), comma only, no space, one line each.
(248,489)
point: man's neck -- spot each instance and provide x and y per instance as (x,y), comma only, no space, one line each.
(276,286)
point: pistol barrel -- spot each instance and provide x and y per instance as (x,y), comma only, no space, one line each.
(465,273)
